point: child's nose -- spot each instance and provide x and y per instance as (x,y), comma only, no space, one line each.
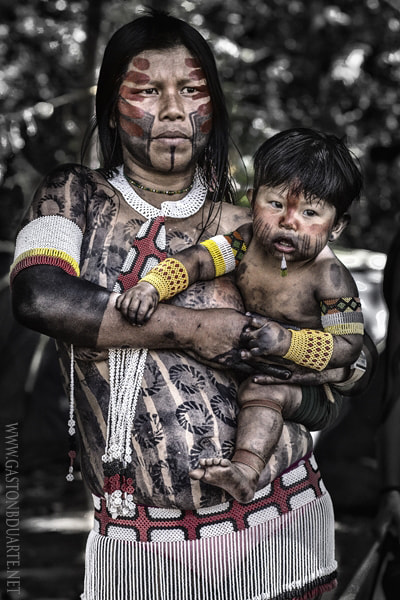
(288,220)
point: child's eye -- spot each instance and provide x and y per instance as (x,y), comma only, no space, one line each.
(309,212)
(276,204)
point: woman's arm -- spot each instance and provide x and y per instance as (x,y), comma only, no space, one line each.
(50,301)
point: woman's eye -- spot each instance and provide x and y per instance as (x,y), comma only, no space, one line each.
(188,90)
(149,91)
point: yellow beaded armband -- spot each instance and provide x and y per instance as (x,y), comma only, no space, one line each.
(310,348)
(226,251)
(169,278)
(216,255)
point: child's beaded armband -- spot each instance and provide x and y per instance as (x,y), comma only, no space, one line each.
(313,348)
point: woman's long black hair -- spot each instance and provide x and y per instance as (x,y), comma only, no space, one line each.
(159,31)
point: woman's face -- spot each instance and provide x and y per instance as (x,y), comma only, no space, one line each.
(165,111)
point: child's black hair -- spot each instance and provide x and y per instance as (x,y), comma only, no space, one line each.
(305,161)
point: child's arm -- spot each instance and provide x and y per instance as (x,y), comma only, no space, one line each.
(310,348)
(171,276)
(201,262)
(337,344)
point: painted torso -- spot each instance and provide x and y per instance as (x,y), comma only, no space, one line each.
(185,410)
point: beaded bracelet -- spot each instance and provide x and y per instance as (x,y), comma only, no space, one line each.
(169,278)
(217,255)
(310,348)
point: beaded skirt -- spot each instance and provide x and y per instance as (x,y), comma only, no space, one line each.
(279,546)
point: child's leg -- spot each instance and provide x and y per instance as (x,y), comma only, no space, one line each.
(259,428)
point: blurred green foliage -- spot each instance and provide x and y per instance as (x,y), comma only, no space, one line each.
(283,63)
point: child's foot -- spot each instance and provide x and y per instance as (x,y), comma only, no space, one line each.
(239,480)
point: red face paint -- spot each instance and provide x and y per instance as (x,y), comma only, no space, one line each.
(165,111)
(293,226)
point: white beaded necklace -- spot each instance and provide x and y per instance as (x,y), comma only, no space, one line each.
(127,365)
(178,209)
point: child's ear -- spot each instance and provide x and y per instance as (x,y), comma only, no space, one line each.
(250,194)
(339,227)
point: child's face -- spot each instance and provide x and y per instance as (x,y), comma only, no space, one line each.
(293,226)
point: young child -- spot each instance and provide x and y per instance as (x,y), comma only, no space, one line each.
(304,182)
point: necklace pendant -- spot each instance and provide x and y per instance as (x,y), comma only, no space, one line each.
(284,270)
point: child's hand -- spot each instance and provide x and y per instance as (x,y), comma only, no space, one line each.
(138,303)
(264,337)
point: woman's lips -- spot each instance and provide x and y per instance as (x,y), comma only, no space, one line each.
(172,138)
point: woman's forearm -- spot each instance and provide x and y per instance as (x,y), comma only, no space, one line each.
(210,333)
(76,311)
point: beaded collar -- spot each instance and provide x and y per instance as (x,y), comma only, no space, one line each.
(179,209)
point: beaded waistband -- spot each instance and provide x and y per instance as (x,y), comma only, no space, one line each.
(292,490)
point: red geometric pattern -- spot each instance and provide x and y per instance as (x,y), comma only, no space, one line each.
(294,488)
(146,250)
(237,244)
(42,259)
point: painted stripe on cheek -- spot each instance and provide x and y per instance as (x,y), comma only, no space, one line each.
(129,114)
(205,109)
(206,126)
(130,110)
(131,128)
(200,95)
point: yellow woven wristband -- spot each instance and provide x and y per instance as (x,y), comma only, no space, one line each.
(345,329)
(216,255)
(310,348)
(169,278)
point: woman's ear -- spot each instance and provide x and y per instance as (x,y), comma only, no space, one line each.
(339,227)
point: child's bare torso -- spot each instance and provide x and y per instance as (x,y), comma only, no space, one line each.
(293,299)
